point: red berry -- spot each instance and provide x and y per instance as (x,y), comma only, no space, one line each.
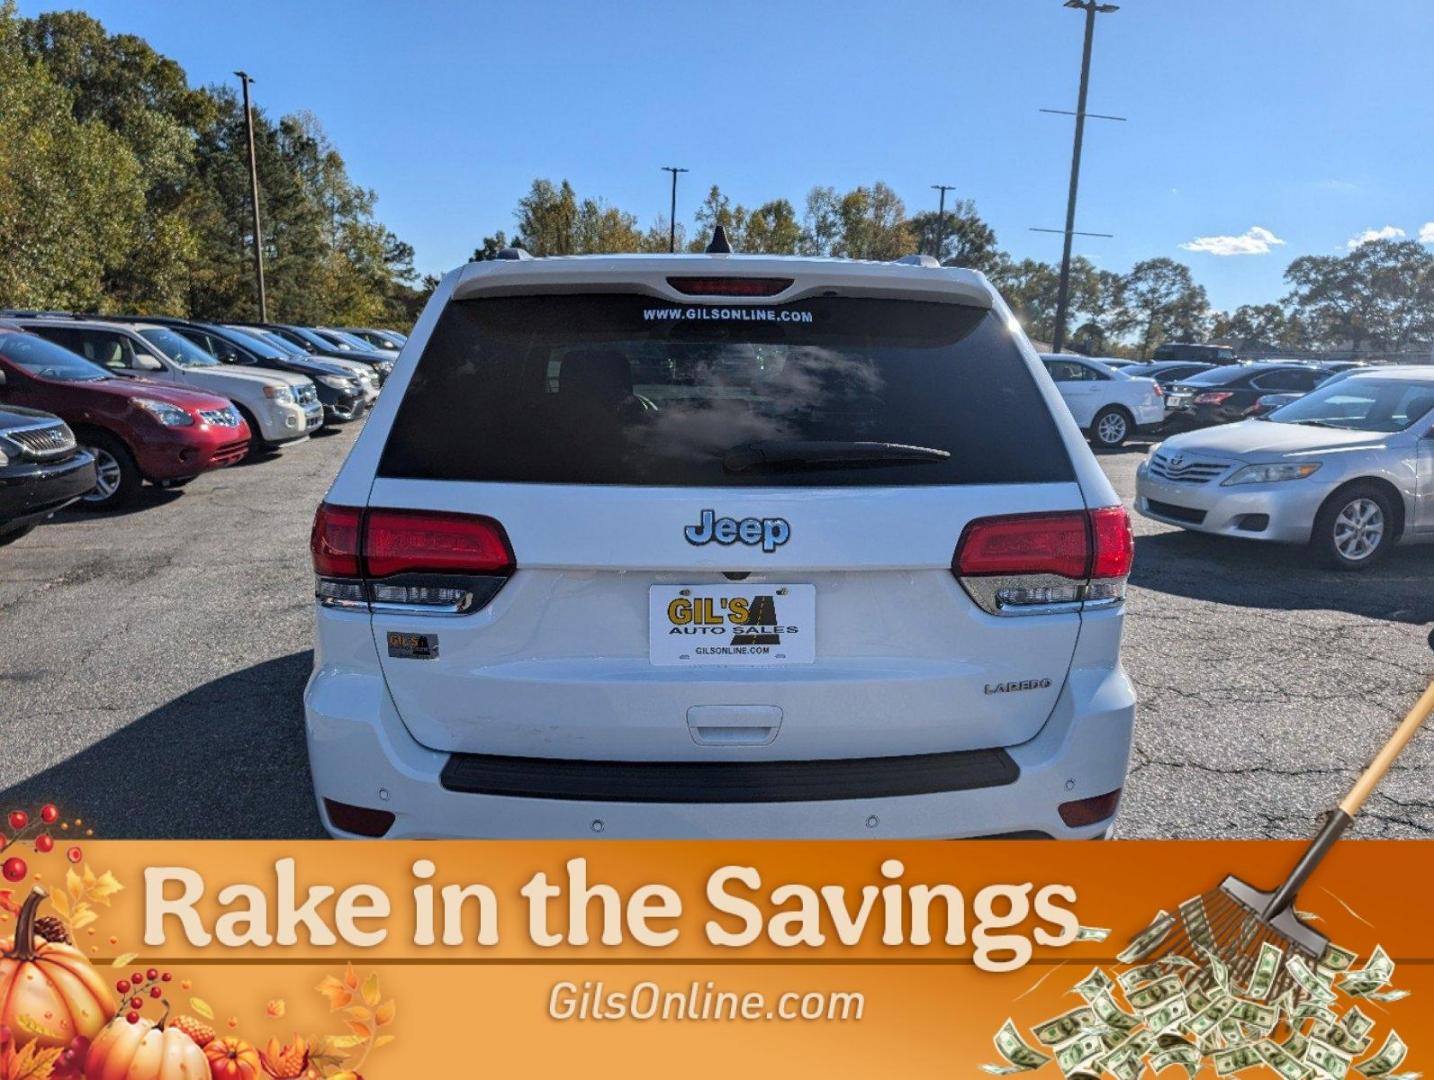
(44,843)
(122,986)
(74,854)
(19,819)
(14,869)
(155,991)
(152,974)
(166,977)
(136,1003)
(132,1017)
(49,813)
(137,978)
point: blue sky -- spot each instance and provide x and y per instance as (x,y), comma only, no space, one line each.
(1308,122)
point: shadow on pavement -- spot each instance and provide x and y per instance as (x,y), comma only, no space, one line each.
(146,498)
(223,760)
(1283,577)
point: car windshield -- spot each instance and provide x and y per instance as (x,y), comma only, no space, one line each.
(256,345)
(46,360)
(179,349)
(353,339)
(1362,404)
(623,389)
(316,340)
(269,337)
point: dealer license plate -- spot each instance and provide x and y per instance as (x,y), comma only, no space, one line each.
(732,625)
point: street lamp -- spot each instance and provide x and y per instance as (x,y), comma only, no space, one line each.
(245,79)
(672,217)
(1091,9)
(941,216)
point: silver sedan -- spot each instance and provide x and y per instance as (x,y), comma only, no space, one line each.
(1348,469)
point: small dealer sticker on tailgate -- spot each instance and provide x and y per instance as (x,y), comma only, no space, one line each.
(735,626)
(403,646)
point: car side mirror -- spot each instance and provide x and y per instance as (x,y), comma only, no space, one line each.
(145,362)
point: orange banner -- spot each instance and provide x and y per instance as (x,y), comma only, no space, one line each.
(841,959)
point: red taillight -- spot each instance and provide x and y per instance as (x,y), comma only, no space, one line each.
(1027,563)
(420,542)
(1025,544)
(1159,390)
(334,541)
(1213,397)
(1112,541)
(729,286)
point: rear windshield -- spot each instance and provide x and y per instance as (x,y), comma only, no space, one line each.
(623,389)
(1223,376)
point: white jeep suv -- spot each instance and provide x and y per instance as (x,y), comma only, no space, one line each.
(719,546)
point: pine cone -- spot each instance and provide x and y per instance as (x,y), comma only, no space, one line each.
(52,929)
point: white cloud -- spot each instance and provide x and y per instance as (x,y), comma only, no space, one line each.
(1426,233)
(1389,232)
(1255,240)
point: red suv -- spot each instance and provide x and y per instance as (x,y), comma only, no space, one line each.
(136,430)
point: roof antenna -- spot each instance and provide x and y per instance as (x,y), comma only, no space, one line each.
(719,245)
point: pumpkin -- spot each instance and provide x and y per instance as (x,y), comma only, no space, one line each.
(49,994)
(144,1050)
(232,1059)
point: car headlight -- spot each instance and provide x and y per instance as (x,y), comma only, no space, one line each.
(282,394)
(1268,474)
(336,382)
(167,414)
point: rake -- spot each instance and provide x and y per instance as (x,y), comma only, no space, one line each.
(1233,921)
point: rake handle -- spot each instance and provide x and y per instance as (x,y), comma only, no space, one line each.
(1350,805)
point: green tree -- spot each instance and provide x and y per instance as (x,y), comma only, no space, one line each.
(1380,295)
(773,229)
(873,224)
(70,190)
(966,240)
(716,209)
(1162,302)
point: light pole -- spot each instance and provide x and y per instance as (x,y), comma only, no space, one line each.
(245,80)
(941,216)
(1091,9)
(672,217)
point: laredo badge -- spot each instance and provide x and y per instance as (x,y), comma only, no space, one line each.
(403,646)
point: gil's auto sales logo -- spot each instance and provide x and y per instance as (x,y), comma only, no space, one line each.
(750,620)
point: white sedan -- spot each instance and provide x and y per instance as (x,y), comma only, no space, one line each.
(1108,405)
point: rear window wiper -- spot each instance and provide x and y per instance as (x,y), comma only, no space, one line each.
(806,454)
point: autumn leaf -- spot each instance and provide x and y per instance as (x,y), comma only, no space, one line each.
(371,993)
(363,1031)
(202,1007)
(61,903)
(123,960)
(383,1015)
(74,885)
(84,915)
(338,994)
(7,902)
(33,1063)
(359,1013)
(276,1008)
(103,888)
(336,1043)
(383,1040)
(351,979)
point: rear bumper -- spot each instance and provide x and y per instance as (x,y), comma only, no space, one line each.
(32,491)
(361,754)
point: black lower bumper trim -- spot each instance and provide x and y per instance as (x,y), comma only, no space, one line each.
(728,781)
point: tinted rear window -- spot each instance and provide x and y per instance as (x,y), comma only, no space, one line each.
(622,389)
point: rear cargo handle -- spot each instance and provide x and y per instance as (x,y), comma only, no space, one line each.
(734,725)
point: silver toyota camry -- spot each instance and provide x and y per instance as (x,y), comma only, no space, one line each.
(1348,469)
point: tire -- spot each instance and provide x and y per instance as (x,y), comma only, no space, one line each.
(1110,428)
(257,445)
(117,474)
(1354,528)
(15,534)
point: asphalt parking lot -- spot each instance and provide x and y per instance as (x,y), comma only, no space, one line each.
(151,667)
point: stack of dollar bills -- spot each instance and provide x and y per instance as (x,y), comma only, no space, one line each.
(1191,1012)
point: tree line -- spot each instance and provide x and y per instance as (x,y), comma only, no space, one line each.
(1379,297)
(123,188)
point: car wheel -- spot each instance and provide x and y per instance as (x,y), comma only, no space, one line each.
(15,534)
(116,475)
(257,445)
(1110,428)
(1354,528)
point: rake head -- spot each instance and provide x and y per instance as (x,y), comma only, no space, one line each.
(1230,923)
